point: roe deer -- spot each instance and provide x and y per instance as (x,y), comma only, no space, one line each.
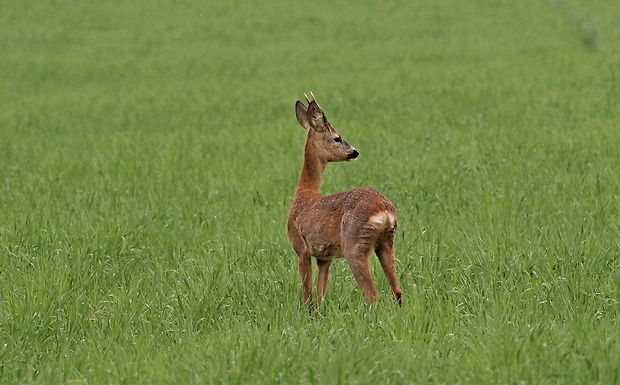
(350,224)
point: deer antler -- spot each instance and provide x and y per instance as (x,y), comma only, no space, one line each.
(313,99)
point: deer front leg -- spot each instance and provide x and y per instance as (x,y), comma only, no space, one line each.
(324,265)
(305,271)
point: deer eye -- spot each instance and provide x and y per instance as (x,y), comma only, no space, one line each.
(338,139)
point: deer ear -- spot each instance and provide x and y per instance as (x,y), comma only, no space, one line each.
(316,117)
(302,115)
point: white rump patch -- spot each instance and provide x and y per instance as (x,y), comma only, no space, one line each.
(384,219)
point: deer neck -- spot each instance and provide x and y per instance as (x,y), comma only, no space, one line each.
(312,171)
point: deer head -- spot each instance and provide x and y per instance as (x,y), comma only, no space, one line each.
(328,145)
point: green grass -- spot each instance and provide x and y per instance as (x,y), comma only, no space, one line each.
(150,153)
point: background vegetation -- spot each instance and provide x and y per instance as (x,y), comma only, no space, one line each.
(149,154)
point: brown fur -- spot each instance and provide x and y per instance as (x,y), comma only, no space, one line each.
(350,224)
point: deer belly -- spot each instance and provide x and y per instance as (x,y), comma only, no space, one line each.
(326,251)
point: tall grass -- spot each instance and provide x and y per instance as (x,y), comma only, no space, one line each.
(150,154)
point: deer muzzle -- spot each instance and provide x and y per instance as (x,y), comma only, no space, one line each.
(353,155)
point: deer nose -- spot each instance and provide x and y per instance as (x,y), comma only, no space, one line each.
(353,155)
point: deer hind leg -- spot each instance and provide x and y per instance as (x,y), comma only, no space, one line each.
(385,252)
(323,265)
(359,262)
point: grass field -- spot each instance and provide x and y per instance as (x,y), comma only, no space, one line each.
(149,155)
